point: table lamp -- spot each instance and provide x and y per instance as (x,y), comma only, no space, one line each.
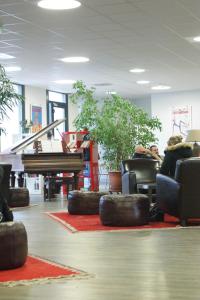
(194,136)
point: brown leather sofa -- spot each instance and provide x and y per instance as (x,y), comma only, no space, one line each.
(180,197)
(136,172)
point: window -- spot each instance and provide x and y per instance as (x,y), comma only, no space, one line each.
(57,97)
(12,123)
(57,108)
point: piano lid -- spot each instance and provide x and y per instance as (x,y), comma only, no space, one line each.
(27,141)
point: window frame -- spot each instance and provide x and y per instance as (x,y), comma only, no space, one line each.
(50,104)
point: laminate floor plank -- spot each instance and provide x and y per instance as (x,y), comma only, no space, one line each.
(149,265)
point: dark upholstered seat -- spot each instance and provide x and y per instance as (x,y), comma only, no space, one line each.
(139,176)
(180,196)
(5,171)
(84,203)
(18,197)
(137,172)
(124,210)
(13,245)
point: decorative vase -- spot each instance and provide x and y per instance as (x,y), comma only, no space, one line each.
(115,181)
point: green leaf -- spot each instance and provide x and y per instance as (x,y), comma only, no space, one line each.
(116,124)
(8,97)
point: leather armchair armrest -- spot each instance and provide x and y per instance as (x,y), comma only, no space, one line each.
(167,194)
(129,184)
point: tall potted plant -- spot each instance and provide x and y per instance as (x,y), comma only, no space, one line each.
(117,125)
(8,97)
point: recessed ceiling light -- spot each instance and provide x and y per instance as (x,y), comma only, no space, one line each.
(75,59)
(143,82)
(59,4)
(137,70)
(6,56)
(13,69)
(196,39)
(65,81)
(161,87)
(111,93)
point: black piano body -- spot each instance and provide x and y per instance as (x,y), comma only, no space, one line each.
(55,162)
(46,164)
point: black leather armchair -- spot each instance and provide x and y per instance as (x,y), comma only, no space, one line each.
(137,172)
(5,171)
(180,197)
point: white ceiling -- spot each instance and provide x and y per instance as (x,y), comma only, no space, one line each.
(117,35)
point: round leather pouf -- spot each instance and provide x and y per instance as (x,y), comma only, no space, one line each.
(124,210)
(13,245)
(19,197)
(84,203)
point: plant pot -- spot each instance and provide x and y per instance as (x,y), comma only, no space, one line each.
(115,181)
(26,130)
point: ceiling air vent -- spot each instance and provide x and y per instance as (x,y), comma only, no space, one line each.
(103,84)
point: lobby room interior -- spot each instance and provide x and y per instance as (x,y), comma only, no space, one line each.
(147,51)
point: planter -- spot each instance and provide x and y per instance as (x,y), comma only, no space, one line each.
(26,130)
(115,181)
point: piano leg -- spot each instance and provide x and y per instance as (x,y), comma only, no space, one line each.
(76,180)
(48,187)
(12,179)
(21,179)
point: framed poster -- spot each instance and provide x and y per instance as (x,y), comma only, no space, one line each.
(181,120)
(36,115)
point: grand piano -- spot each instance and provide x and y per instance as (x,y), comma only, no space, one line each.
(47,164)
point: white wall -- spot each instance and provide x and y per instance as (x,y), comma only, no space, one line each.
(35,96)
(162,104)
(159,105)
(72,113)
(143,102)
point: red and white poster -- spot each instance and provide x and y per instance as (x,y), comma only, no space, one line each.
(181,120)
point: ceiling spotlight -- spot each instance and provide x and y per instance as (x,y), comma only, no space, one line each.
(137,70)
(13,69)
(143,82)
(75,59)
(6,56)
(65,81)
(161,87)
(59,4)
(196,39)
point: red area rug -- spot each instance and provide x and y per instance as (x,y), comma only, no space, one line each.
(76,223)
(36,270)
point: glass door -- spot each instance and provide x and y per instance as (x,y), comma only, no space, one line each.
(57,111)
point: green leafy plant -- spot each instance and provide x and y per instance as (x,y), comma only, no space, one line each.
(117,125)
(8,97)
(26,125)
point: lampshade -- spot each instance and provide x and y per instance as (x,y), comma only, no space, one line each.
(193,135)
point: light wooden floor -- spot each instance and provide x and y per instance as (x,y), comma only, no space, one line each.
(149,265)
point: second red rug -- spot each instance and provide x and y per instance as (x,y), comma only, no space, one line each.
(75,223)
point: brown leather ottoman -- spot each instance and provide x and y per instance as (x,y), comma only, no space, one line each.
(124,210)
(18,197)
(13,245)
(84,203)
